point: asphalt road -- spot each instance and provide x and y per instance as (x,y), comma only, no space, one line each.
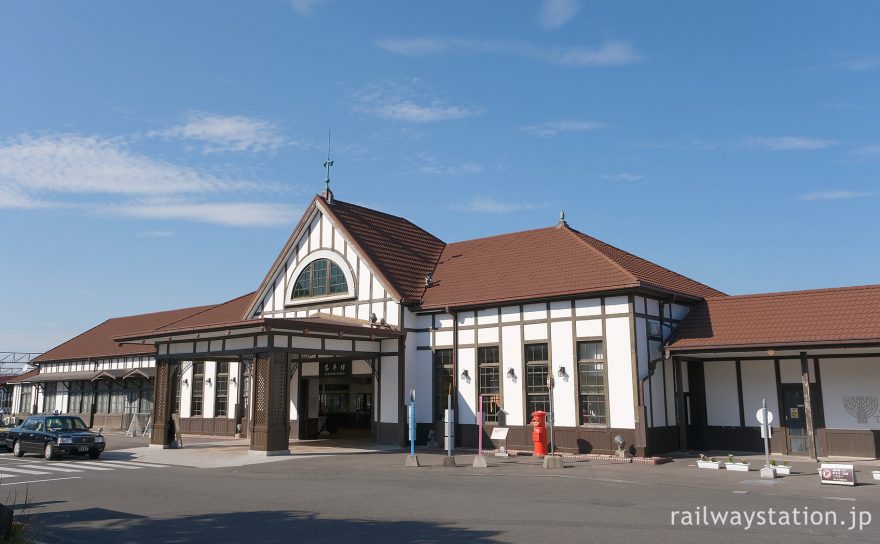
(372,498)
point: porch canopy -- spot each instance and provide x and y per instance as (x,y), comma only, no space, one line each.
(802,325)
(272,348)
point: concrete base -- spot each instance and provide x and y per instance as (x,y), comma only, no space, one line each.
(163,446)
(553,461)
(768,473)
(480,461)
(449,461)
(504,454)
(271,453)
(412,461)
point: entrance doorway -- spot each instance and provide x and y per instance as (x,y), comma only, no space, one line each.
(795,422)
(338,407)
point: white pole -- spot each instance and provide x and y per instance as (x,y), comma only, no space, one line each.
(765,427)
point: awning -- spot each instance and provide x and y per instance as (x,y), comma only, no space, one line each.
(114,374)
(147,373)
(60,377)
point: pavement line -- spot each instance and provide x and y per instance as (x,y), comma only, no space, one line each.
(97,464)
(840,498)
(138,464)
(47,480)
(79,465)
(23,471)
(4,475)
(45,466)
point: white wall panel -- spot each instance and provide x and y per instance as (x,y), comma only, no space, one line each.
(854,382)
(588,307)
(467,401)
(620,376)
(443,338)
(534,311)
(510,314)
(487,317)
(488,335)
(388,383)
(589,328)
(758,382)
(562,354)
(423,378)
(617,305)
(560,308)
(535,331)
(722,398)
(657,396)
(642,347)
(467,319)
(511,357)
(466,336)
(790,371)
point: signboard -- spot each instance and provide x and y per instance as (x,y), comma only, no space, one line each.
(836,474)
(335,369)
(759,415)
(500,433)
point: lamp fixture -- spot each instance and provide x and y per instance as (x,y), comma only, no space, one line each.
(208,381)
(511,374)
(562,373)
(465,376)
(233,380)
(186,381)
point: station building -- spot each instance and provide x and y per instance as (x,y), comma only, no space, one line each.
(361,307)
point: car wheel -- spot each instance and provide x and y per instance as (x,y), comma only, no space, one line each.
(94,454)
(49,452)
(16,449)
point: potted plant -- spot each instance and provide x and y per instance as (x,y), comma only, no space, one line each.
(876,473)
(783,469)
(741,466)
(708,462)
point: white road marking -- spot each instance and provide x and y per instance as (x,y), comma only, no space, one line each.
(97,464)
(23,471)
(52,467)
(80,465)
(47,480)
(129,463)
(839,498)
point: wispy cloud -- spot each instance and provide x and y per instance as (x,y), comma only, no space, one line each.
(491,205)
(305,7)
(431,165)
(834,195)
(556,13)
(860,64)
(104,175)
(219,133)
(623,176)
(410,101)
(789,143)
(554,128)
(609,53)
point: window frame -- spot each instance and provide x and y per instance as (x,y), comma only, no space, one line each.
(221,405)
(490,419)
(439,407)
(305,264)
(578,363)
(197,378)
(526,364)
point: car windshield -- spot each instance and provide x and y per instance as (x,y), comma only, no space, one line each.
(65,424)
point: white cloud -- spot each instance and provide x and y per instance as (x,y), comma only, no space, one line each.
(609,53)
(491,205)
(226,133)
(789,143)
(409,101)
(834,195)
(556,13)
(623,176)
(430,165)
(554,128)
(304,7)
(100,175)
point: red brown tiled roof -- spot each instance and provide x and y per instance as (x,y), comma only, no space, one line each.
(401,252)
(846,314)
(99,340)
(15,378)
(548,262)
(227,312)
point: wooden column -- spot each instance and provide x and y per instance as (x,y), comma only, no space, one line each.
(808,405)
(162,406)
(680,408)
(271,408)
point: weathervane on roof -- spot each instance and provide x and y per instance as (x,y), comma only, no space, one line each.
(328,194)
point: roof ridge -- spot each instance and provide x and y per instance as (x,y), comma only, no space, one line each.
(500,235)
(580,234)
(203,310)
(797,292)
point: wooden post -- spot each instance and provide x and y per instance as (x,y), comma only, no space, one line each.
(808,405)
(680,409)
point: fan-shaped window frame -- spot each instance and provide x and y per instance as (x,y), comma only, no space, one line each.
(306,264)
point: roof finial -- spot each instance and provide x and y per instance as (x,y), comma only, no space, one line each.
(562,222)
(328,194)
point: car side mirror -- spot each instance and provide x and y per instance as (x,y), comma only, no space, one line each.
(100,430)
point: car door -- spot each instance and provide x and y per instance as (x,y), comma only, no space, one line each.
(25,433)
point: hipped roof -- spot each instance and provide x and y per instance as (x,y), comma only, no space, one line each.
(833,316)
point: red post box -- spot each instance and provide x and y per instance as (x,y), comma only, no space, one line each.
(539,432)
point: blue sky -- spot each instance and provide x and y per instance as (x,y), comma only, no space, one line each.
(156,155)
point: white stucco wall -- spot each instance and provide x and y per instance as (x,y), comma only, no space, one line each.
(852,381)
(722,396)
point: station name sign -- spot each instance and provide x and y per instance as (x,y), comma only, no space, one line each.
(335,369)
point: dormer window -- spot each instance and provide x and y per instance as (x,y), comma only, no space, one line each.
(321,277)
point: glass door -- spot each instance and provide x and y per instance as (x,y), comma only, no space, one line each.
(795,423)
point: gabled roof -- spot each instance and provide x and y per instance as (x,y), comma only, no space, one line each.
(548,262)
(846,314)
(99,340)
(400,251)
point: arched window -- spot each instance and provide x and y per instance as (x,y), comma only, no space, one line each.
(321,277)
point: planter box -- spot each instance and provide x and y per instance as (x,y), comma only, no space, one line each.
(876,474)
(739,467)
(782,470)
(709,464)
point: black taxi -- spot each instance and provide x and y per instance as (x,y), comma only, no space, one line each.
(53,436)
